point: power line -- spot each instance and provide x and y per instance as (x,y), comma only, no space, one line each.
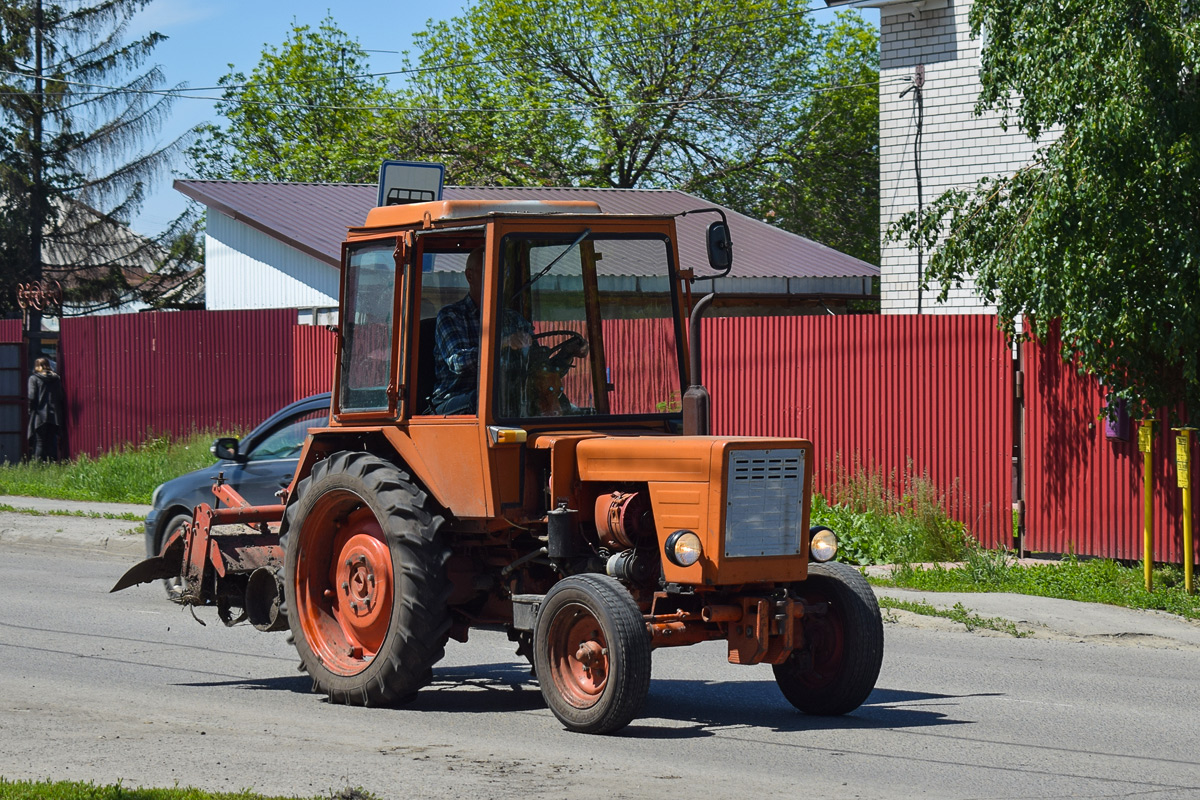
(504,60)
(178,94)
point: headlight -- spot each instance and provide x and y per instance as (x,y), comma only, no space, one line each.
(154,497)
(822,543)
(683,548)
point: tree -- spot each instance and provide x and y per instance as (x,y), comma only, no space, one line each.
(75,109)
(1100,234)
(822,181)
(721,98)
(307,112)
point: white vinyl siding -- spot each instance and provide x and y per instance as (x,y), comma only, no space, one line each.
(245,268)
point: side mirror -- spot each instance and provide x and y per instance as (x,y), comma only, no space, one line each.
(226,449)
(720,247)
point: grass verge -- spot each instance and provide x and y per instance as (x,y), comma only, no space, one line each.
(959,613)
(1089,581)
(77,790)
(124,516)
(127,475)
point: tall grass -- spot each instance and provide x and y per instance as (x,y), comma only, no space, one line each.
(881,520)
(126,475)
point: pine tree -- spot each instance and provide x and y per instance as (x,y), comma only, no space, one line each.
(77,107)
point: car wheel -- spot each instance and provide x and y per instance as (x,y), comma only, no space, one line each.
(174,586)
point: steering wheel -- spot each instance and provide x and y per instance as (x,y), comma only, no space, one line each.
(562,354)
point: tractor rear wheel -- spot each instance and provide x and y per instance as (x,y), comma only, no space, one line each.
(836,670)
(592,654)
(365,585)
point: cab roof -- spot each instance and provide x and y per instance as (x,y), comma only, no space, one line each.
(447,210)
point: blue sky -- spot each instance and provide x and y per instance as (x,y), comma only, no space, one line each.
(206,36)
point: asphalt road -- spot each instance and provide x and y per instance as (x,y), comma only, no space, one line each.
(127,687)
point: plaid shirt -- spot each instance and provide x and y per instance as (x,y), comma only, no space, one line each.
(456,348)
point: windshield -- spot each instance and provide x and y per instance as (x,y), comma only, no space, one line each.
(587,327)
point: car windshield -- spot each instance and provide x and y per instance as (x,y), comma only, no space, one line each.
(588,327)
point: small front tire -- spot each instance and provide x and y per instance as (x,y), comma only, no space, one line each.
(592,654)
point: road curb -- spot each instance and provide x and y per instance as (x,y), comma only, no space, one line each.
(123,545)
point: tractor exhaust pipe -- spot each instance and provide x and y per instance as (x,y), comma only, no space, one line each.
(697,413)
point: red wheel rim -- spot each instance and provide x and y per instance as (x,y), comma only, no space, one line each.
(827,638)
(578,655)
(344,583)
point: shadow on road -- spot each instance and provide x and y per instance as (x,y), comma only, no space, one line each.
(693,709)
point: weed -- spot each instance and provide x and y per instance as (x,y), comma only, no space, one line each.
(125,516)
(959,613)
(875,525)
(78,790)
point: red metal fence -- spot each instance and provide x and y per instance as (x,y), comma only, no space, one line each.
(11,331)
(131,376)
(1084,491)
(904,395)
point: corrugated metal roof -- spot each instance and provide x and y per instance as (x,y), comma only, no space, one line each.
(313,218)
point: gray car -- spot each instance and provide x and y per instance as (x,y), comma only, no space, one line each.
(257,467)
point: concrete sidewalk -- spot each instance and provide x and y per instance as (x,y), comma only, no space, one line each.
(1041,616)
(39,525)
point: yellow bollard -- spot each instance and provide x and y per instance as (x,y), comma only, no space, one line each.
(1146,445)
(1183,475)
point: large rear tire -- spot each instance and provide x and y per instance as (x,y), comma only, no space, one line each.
(365,585)
(836,670)
(592,654)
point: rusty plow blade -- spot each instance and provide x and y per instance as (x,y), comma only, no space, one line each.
(168,564)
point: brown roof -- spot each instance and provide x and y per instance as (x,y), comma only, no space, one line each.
(313,218)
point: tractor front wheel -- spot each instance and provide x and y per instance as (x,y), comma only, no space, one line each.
(836,670)
(365,584)
(592,654)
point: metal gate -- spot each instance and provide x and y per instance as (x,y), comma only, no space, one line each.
(12,402)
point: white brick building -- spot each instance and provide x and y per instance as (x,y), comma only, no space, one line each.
(957,147)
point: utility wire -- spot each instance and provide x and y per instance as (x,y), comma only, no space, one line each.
(504,60)
(179,94)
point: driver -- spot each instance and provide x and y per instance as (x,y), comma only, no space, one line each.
(456,344)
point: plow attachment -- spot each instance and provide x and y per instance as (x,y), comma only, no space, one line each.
(229,570)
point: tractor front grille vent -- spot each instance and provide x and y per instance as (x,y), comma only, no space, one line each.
(764,503)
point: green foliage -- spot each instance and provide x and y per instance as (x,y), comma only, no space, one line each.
(1101,233)
(747,103)
(127,475)
(959,613)
(823,182)
(874,525)
(307,112)
(77,790)
(1095,581)
(77,108)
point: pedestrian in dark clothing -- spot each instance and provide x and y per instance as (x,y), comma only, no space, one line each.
(46,414)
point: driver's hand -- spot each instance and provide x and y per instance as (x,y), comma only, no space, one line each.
(517,340)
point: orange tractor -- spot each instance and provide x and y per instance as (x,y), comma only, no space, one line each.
(519,438)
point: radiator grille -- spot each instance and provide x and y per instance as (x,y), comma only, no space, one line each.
(764,503)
